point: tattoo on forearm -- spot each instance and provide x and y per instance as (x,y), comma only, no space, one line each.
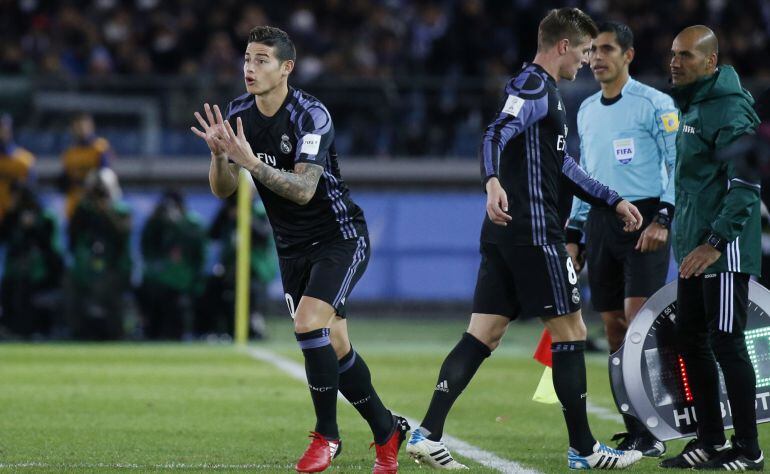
(298,186)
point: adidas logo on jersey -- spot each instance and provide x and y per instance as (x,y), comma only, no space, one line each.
(443,386)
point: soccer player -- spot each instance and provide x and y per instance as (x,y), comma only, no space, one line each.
(717,244)
(627,139)
(284,138)
(525,270)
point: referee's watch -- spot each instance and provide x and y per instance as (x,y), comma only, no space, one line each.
(664,215)
(662,219)
(716,241)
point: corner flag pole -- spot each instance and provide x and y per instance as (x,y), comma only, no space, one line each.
(243,258)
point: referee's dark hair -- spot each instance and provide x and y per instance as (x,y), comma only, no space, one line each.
(276,38)
(623,34)
(567,22)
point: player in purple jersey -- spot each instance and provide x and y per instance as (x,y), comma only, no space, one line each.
(525,270)
(285,139)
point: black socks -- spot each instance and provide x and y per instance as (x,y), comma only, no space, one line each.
(323,379)
(456,372)
(569,382)
(355,383)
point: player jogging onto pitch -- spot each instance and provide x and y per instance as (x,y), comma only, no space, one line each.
(285,139)
(525,270)
(627,139)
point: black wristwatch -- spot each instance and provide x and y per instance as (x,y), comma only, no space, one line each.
(716,241)
(664,215)
(662,219)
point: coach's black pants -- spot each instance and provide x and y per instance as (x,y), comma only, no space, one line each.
(710,321)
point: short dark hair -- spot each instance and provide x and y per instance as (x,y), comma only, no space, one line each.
(567,22)
(623,34)
(276,38)
(81,116)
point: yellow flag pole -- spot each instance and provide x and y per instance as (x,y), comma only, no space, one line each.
(243,258)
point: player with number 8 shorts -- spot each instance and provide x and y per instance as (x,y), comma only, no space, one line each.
(525,271)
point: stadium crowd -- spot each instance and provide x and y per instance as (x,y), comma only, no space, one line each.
(430,68)
(386,38)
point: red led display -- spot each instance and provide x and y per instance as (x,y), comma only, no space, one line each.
(683,378)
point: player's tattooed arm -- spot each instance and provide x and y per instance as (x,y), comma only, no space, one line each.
(298,186)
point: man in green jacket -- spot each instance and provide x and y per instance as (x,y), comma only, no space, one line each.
(717,244)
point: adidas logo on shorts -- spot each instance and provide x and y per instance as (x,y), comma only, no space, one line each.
(443,386)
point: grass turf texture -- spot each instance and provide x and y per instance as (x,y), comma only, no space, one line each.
(196,407)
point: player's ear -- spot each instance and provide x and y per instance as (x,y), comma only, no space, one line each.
(288,66)
(562,46)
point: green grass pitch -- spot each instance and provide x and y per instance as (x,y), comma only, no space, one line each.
(198,407)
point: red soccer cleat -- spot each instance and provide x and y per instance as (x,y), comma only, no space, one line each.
(318,456)
(387,453)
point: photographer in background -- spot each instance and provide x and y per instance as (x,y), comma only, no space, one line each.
(173,248)
(100,275)
(33,266)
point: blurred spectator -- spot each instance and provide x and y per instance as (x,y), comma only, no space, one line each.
(173,249)
(15,164)
(100,275)
(353,37)
(33,266)
(425,66)
(215,313)
(86,154)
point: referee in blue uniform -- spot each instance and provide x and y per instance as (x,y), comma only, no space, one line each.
(627,134)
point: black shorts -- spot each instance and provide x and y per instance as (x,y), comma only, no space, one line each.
(616,270)
(713,302)
(526,281)
(328,272)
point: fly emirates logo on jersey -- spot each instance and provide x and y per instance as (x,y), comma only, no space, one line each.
(561,140)
(271,160)
(267,159)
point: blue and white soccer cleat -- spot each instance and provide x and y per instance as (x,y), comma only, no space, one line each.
(603,457)
(431,453)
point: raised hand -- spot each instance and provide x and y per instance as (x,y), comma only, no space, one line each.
(235,144)
(212,132)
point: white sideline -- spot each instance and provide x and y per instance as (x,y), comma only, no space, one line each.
(603,413)
(143,467)
(490,460)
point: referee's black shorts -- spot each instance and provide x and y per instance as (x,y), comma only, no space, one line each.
(526,281)
(616,270)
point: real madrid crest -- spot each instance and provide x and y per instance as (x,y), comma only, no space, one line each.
(285,144)
(575,295)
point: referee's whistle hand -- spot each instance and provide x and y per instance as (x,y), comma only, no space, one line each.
(653,238)
(632,218)
(497,203)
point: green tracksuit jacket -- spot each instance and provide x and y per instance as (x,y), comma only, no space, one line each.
(717,190)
